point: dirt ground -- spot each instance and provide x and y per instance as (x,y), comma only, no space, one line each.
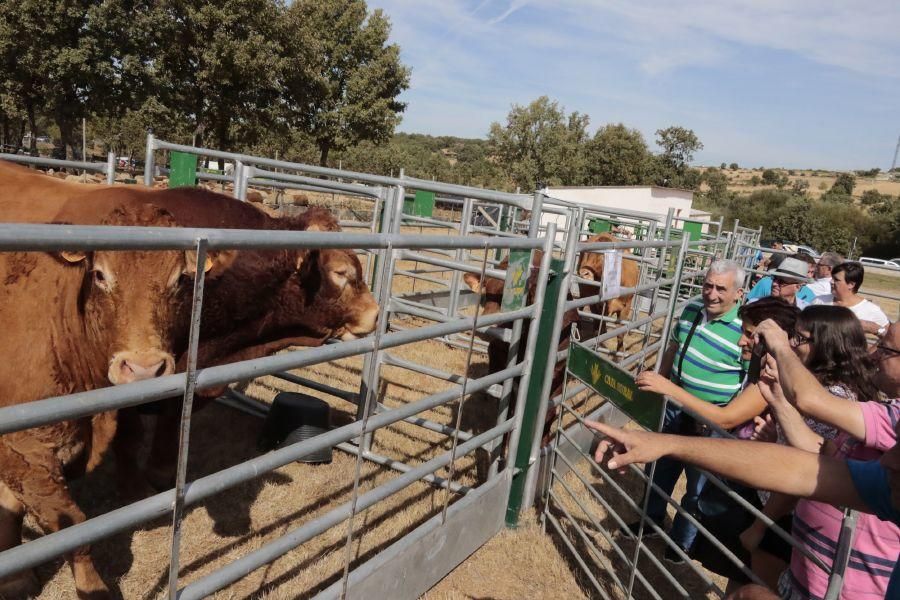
(520,563)
(242,519)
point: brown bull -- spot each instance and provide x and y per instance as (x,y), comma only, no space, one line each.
(76,321)
(590,266)
(498,351)
(275,299)
(265,302)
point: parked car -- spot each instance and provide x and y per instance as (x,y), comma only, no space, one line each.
(801,249)
(880,262)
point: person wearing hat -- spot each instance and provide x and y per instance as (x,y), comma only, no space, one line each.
(800,296)
(787,279)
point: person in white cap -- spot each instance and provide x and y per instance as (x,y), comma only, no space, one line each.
(788,278)
(821,287)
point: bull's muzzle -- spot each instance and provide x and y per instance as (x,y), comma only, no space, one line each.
(363,325)
(127,367)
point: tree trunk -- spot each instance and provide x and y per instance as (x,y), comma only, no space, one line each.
(67,137)
(21,135)
(324,147)
(32,126)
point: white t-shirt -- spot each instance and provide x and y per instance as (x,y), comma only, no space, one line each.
(869,311)
(820,287)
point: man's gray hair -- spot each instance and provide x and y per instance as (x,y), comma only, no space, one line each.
(729,266)
(831,259)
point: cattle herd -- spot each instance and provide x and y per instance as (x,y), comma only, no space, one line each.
(78,321)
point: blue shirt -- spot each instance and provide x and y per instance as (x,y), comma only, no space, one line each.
(763,288)
(871,482)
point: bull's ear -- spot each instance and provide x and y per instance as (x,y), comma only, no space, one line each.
(217,262)
(473,281)
(306,258)
(73,256)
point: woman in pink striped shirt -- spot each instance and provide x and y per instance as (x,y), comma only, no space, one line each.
(864,431)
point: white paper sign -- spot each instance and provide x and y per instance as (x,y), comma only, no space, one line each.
(612,273)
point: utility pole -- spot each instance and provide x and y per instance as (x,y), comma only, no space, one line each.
(894,162)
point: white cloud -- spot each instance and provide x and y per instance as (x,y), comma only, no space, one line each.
(621,60)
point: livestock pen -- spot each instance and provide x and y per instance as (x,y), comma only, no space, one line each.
(431,463)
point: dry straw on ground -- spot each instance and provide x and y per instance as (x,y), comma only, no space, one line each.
(522,563)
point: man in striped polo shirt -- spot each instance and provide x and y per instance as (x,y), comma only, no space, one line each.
(703,357)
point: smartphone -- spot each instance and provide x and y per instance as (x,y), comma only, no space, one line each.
(756,358)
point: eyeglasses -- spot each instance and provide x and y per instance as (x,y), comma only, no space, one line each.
(885,352)
(798,339)
(784,282)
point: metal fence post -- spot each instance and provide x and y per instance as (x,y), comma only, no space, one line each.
(241,177)
(562,273)
(534,397)
(670,316)
(149,162)
(111,167)
(187,405)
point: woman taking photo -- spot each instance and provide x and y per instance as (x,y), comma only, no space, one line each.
(847,424)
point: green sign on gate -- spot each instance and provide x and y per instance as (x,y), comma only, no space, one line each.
(616,385)
(182,169)
(516,284)
(421,204)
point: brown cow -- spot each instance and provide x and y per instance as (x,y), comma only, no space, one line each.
(270,301)
(266,301)
(498,350)
(590,266)
(275,300)
(76,321)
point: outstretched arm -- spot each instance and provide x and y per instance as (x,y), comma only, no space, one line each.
(762,466)
(746,405)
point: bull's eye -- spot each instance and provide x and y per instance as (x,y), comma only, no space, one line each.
(100,280)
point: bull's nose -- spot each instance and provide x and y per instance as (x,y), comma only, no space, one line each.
(131,366)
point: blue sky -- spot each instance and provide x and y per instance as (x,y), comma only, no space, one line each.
(762,82)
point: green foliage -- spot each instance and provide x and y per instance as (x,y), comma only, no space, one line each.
(872,197)
(717,192)
(540,144)
(356,75)
(799,187)
(733,166)
(616,156)
(837,196)
(869,173)
(770,177)
(670,168)
(231,74)
(844,184)
(755,180)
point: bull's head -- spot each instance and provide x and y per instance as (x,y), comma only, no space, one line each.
(130,300)
(338,301)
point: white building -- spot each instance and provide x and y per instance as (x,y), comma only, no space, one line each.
(647,199)
(640,201)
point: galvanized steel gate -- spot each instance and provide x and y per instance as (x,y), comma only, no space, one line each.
(583,504)
(489,225)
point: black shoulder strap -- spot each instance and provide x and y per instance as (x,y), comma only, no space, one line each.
(687,342)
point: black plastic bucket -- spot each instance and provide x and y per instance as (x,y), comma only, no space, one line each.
(294,418)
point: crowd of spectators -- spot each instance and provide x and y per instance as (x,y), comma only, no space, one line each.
(816,425)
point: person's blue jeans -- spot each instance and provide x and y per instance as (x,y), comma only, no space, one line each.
(666,476)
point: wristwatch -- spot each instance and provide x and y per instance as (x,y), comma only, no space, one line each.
(881,330)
